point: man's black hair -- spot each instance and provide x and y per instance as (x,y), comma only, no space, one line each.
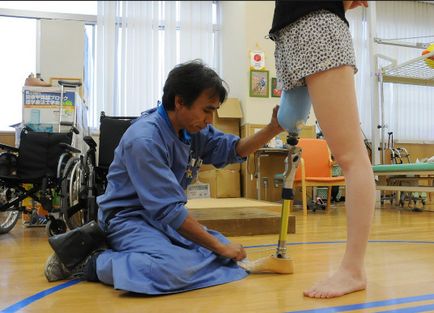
(188,80)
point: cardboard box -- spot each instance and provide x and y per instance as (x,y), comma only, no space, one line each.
(308,131)
(48,96)
(227,119)
(43,107)
(270,165)
(198,190)
(223,183)
(35,115)
(229,167)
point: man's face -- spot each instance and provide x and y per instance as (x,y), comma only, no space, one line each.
(199,115)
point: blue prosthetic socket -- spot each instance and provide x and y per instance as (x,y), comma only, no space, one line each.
(294,109)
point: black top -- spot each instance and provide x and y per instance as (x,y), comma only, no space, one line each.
(287,12)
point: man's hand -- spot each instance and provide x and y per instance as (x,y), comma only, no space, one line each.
(194,231)
(253,142)
(233,251)
(348,5)
(274,122)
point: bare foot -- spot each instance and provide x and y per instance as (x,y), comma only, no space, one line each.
(341,283)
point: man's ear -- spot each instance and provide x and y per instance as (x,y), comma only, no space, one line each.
(178,102)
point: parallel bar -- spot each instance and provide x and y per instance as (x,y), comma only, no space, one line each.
(406,188)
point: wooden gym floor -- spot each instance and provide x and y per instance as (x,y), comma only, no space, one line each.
(400,268)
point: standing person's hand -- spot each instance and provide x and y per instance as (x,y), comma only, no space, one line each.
(348,5)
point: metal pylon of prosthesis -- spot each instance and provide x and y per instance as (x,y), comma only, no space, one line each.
(291,165)
(280,263)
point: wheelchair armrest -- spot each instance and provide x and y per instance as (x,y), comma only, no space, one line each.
(90,142)
(69,148)
(8,148)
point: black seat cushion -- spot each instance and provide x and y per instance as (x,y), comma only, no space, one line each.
(39,153)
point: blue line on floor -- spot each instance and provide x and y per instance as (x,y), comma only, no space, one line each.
(343,241)
(21,304)
(421,308)
(367,305)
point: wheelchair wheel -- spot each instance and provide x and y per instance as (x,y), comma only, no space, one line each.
(8,166)
(63,163)
(55,227)
(77,188)
(66,210)
(73,202)
(8,219)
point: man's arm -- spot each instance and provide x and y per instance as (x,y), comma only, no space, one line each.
(192,230)
(252,143)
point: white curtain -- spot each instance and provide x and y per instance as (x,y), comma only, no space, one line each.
(358,27)
(409,109)
(139,42)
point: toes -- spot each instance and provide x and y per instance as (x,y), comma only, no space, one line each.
(312,293)
(322,293)
(307,293)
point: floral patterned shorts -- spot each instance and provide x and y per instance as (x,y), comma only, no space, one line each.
(316,42)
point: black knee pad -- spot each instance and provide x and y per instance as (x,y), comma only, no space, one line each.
(74,246)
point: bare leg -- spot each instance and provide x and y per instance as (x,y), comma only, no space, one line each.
(334,101)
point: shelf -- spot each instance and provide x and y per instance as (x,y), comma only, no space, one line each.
(413,72)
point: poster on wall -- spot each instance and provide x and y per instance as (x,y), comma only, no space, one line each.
(276,87)
(257,60)
(259,85)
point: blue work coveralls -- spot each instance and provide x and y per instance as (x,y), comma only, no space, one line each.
(144,205)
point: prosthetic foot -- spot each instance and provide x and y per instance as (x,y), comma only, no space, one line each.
(269,264)
(280,263)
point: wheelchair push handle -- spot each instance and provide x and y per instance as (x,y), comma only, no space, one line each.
(73,128)
(71,84)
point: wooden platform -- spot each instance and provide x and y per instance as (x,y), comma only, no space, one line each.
(239,216)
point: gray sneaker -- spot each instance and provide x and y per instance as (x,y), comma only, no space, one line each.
(54,270)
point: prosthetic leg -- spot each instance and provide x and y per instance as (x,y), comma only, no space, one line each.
(293,113)
(279,262)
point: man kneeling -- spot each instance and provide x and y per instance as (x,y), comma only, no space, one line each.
(155,245)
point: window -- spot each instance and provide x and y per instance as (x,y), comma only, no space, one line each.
(70,7)
(20,59)
(17,61)
(134,58)
(18,55)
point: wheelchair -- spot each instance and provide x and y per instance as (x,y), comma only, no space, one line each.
(83,178)
(77,186)
(38,160)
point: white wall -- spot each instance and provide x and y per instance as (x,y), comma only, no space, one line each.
(244,27)
(234,56)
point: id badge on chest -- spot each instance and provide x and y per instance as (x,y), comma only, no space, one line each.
(192,169)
